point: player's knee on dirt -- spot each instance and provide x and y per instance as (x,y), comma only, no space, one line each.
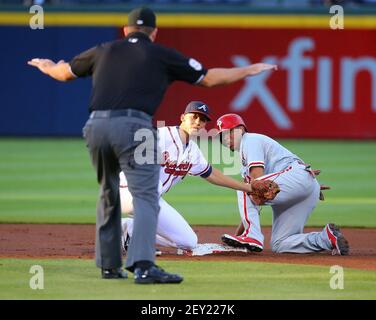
(275,245)
(281,246)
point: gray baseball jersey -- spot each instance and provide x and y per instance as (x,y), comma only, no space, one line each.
(259,150)
(291,207)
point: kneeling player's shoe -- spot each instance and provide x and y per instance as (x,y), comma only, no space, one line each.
(117,273)
(155,274)
(339,243)
(242,242)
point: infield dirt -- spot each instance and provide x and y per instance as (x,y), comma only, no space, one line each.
(77,241)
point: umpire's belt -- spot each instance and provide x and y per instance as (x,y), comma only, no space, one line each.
(120,113)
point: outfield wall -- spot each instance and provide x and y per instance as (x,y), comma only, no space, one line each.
(325,86)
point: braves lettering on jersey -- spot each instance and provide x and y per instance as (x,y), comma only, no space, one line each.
(177,160)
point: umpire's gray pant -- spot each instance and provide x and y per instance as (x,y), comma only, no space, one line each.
(112,147)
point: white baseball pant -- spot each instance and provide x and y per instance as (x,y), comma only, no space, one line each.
(172,229)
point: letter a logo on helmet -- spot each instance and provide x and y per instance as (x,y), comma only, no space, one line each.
(230,121)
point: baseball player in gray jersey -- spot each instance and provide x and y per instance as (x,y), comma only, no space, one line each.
(264,158)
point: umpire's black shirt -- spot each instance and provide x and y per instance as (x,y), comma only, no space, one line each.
(133,73)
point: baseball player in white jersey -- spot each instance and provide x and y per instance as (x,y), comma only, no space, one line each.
(264,158)
(180,156)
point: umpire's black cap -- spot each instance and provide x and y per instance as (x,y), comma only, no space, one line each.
(198,107)
(142,17)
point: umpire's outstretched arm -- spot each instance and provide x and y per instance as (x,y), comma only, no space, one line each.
(215,77)
(222,76)
(59,71)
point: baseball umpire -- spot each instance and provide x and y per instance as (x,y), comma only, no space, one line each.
(130,77)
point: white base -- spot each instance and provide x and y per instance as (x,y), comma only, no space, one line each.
(203,249)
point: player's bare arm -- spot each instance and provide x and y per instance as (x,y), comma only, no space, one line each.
(223,76)
(218,178)
(60,71)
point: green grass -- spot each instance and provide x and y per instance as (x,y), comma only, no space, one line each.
(52,181)
(79,279)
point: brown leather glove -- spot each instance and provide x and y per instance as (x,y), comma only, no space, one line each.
(263,191)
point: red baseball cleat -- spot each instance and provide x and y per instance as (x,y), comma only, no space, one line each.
(339,243)
(242,242)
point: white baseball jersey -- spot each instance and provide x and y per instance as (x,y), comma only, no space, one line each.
(178,160)
(259,150)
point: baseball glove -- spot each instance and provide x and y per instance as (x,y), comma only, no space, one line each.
(263,191)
